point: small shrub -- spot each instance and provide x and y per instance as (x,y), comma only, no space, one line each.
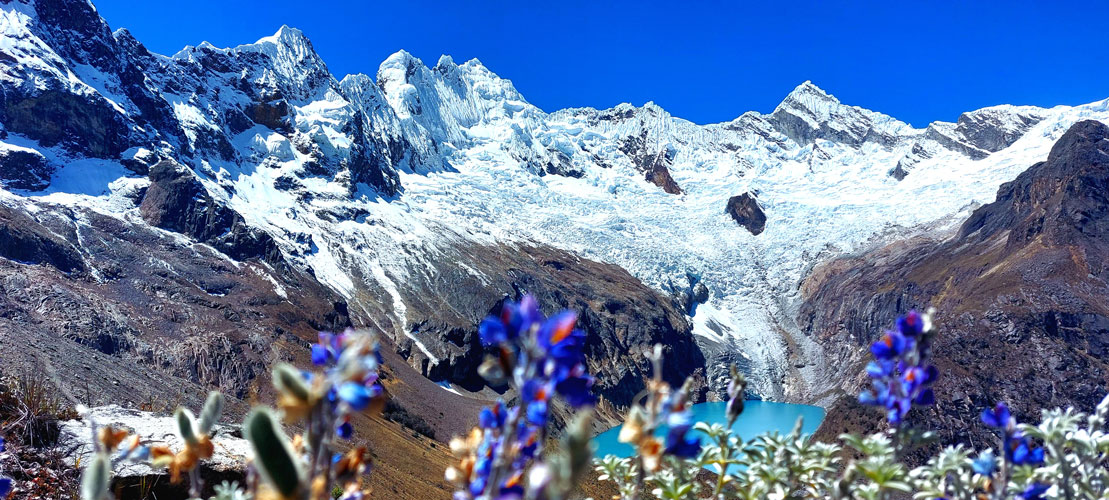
(396,413)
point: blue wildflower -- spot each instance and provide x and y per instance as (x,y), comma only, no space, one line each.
(556,329)
(1025,454)
(1035,491)
(529,445)
(542,357)
(678,443)
(576,390)
(520,319)
(880,368)
(492,331)
(901,373)
(998,417)
(320,356)
(537,413)
(891,345)
(1018,449)
(911,324)
(345,430)
(682,446)
(513,487)
(357,395)
(493,417)
(985,464)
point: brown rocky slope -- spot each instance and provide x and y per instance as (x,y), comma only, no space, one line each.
(1021,292)
(114,310)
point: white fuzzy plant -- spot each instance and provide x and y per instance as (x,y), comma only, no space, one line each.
(794,467)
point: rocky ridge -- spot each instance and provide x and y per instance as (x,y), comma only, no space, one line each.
(1020,289)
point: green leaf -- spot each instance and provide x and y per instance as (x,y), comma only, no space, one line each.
(272,452)
(210,414)
(288,380)
(186,425)
(94,482)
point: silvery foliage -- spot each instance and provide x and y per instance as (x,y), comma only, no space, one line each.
(794,466)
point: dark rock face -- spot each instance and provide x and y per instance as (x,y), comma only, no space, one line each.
(272,114)
(135,318)
(82,124)
(621,316)
(141,87)
(177,201)
(653,162)
(993,130)
(689,296)
(899,172)
(560,165)
(907,162)
(1020,290)
(22,239)
(87,123)
(746,211)
(808,105)
(659,175)
(953,141)
(24,169)
(1063,199)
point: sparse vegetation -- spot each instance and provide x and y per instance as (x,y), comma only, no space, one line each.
(30,410)
(396,413)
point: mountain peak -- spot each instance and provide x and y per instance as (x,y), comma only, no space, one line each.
(446,61)
(808,96)
(400,58)
(286,40)
(289,35)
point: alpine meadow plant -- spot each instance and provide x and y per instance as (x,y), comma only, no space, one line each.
(307,467)
(1064,457)
(541,359)
(901,373)
(311,465)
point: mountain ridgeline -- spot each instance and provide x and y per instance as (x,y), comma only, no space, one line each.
(187,220)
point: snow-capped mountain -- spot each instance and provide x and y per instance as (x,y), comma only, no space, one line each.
(381,186)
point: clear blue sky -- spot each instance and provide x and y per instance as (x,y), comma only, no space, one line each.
(705,61)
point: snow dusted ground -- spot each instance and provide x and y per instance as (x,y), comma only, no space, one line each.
(478,164)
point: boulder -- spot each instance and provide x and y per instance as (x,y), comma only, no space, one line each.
(228,463)
(746,211)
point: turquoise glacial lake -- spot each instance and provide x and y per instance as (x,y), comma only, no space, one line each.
(758,417)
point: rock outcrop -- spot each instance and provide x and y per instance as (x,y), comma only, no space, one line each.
(22,168)
(228,462)
(621,316)
(177,201)
(651,160)
(23,239)
(1020,289)
(746,212)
